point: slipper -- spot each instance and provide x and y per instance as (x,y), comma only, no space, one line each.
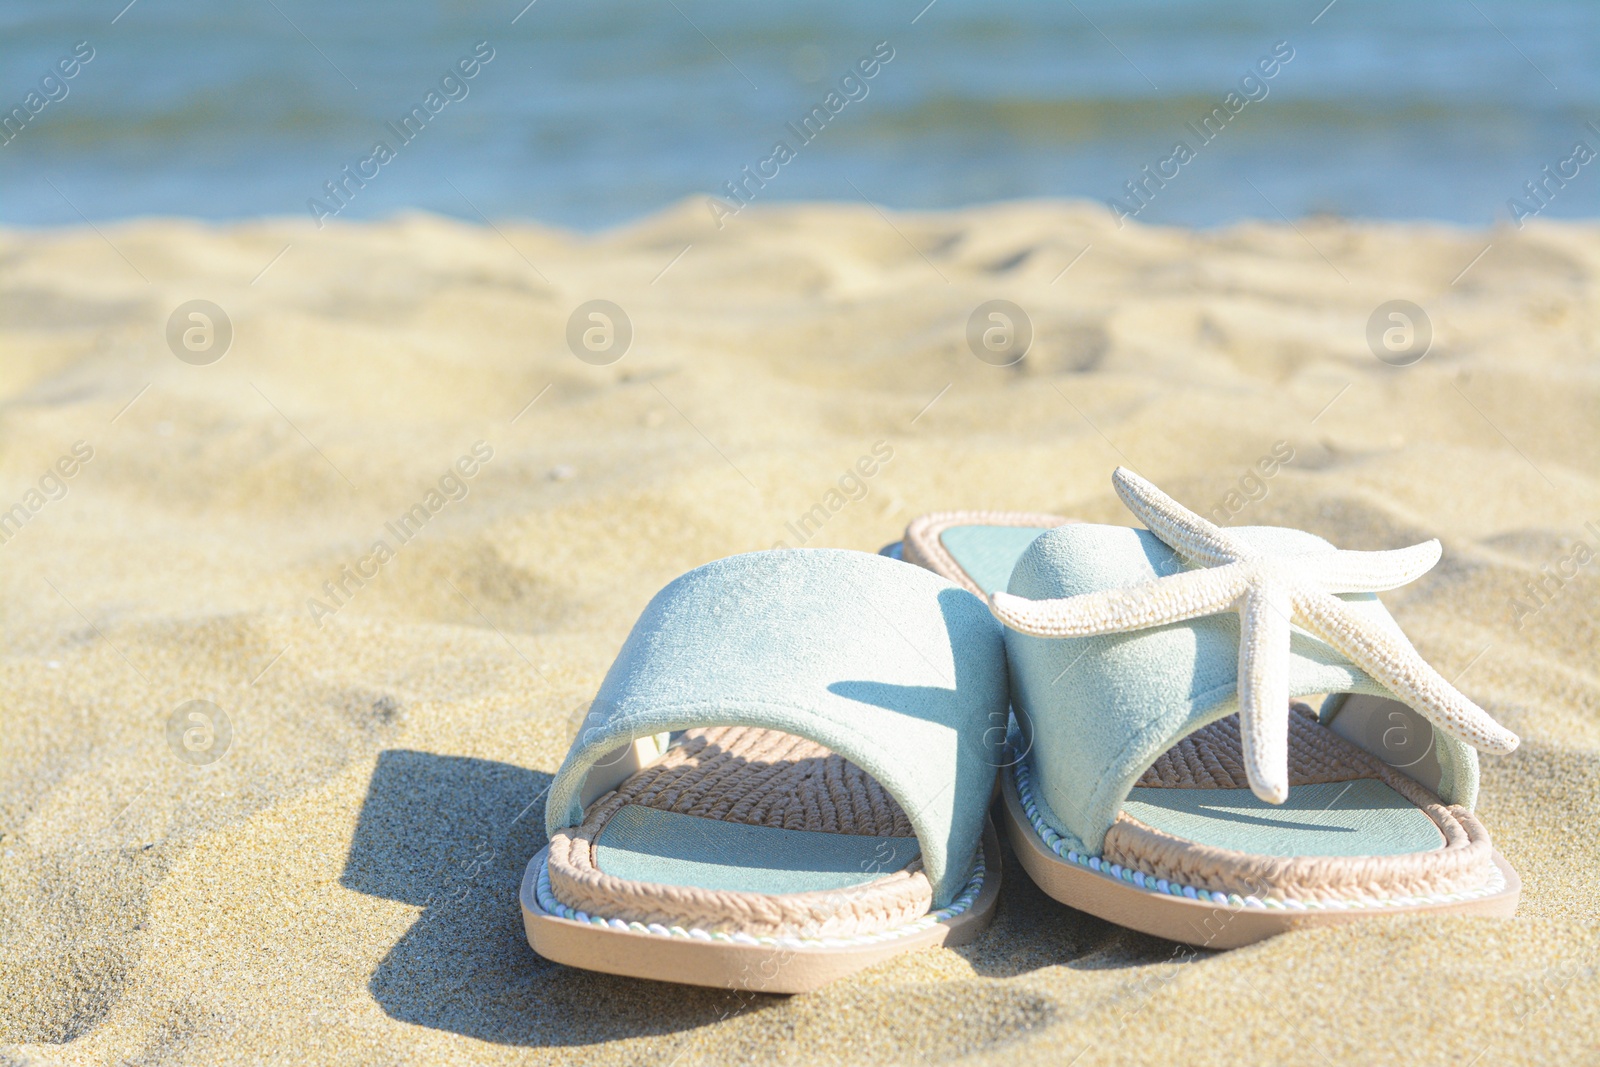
(974,549)
(784,779)
(1144,787)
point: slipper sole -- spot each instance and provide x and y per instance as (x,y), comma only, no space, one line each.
(729,965)
(1201,923)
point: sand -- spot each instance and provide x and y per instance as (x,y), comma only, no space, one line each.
(340,885)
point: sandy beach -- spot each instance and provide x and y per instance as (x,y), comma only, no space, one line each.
(327,871)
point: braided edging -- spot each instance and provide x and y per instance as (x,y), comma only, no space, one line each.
(892,900)
(1462,863)
(964,900)
(1494,882)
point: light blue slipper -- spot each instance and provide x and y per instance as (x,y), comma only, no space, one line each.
(783,779)
(1128,793)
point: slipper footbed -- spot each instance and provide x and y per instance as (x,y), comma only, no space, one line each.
(748,830)
(1352,827)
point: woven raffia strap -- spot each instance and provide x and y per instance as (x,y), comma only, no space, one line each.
(1211,757)
(765,778)
(759,778)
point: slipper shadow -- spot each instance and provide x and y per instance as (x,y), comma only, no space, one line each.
(1031,931)
(452,835)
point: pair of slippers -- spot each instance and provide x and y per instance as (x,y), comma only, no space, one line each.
(787,773)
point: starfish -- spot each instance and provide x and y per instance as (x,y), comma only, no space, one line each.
(1270,592)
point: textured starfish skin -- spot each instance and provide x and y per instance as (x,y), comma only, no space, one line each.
(1269,592)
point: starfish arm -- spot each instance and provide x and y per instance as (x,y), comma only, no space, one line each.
(1370,572)
(1384,653)
(1190,535)
(1264,689)
(1177,597)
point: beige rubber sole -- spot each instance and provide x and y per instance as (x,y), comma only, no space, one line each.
(1193,922)
(759,968)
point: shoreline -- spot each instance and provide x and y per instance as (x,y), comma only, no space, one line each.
(697,203)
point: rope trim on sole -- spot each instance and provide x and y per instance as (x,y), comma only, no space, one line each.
(1149,883)
(969,893)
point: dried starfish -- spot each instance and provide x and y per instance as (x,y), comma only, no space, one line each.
(1269,592)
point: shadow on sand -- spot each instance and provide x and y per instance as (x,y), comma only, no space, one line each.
(452,835)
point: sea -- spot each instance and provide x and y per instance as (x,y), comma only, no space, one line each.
(590,113)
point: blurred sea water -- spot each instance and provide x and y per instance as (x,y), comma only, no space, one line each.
(592,112)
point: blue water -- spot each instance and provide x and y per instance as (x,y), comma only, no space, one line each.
(592,113)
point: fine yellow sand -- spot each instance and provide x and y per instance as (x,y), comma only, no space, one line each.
(340,886)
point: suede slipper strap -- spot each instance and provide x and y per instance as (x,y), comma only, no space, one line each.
(1097,711)
(894,668)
